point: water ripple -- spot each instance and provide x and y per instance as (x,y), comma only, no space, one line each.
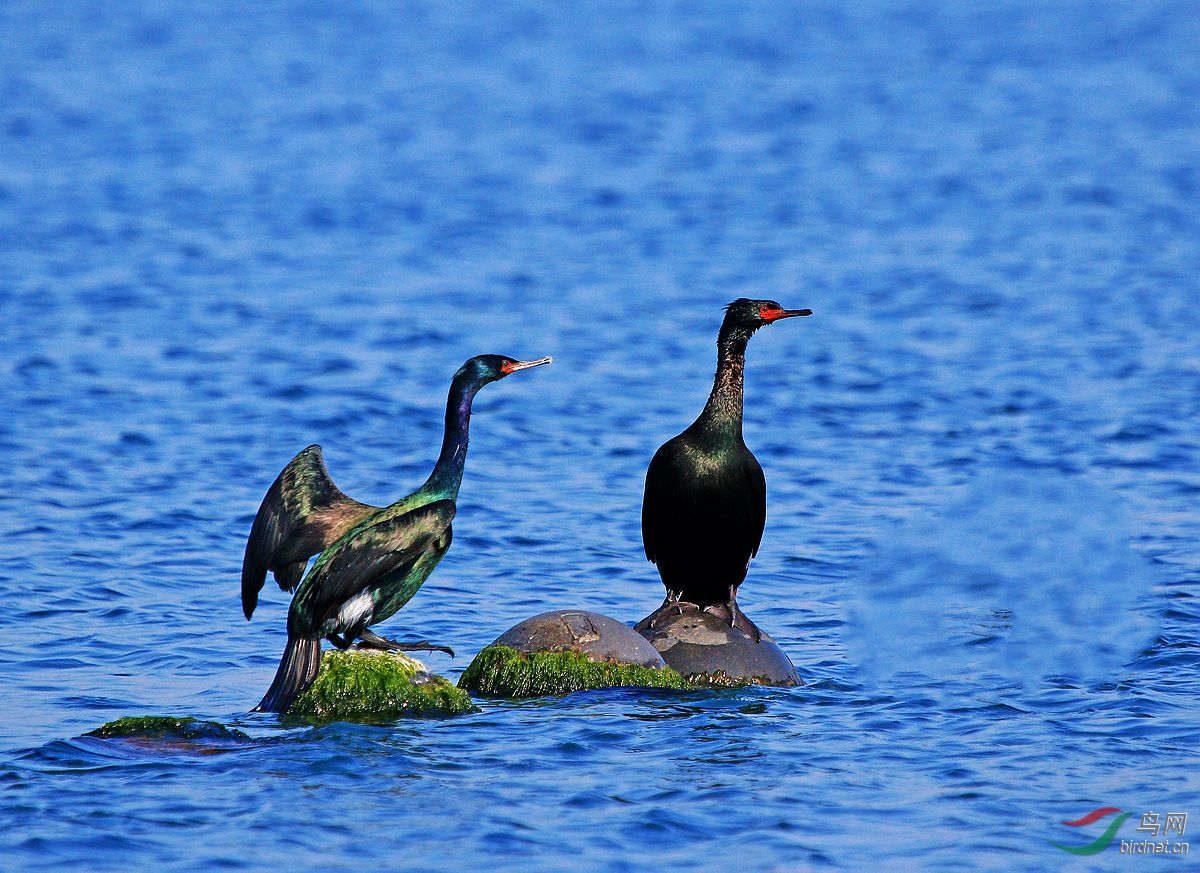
(226,236)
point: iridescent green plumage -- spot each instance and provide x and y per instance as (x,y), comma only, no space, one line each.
(371,560)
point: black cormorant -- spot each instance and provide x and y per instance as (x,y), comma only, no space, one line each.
(705,501)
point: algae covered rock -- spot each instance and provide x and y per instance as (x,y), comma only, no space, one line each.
(563,651)
(168,733)
(705,649)
(500,671)
(359,685)
(589,633)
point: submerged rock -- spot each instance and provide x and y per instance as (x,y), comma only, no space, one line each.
(164,726)
(357,685)
(563,651)
(708,651)
(168,733)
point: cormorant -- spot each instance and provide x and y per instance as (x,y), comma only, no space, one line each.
(372,560)
(705,501)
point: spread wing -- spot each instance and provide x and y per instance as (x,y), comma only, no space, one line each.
(302,513)
(388,560)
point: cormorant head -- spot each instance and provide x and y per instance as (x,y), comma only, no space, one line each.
(482,369)
(748,316)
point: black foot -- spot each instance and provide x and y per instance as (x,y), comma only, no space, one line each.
(732,614)
(672,605)
(339,642)
(368,639)
(670,608)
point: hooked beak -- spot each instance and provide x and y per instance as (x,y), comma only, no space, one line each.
(771,315)
(525,365)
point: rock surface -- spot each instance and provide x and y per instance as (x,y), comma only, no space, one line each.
(707,651)
(563,651)
(170,734)
(589,633)
(365,685)
(499,671)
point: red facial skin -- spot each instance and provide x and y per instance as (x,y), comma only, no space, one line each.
(772,313)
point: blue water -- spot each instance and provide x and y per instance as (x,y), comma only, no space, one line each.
(230,230)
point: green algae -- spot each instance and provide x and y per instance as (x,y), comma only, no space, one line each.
(499,671)
(355,685)
(172,735)
(165,727)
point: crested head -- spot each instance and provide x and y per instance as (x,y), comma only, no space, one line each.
(471,376)
(742,318)
(482,369)
(750,315)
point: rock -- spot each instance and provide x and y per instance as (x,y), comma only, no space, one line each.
(707,651)
(366,685)
(499,671)
(170,734)
(563,651)
(589,633)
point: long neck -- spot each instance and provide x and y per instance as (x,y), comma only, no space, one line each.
(723,411)
(447,474)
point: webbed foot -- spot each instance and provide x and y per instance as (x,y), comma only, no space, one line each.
(732,614)
(368,639)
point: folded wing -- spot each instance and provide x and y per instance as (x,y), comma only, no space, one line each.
(366,578)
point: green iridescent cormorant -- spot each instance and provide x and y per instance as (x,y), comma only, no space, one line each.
(371,560)
(705,502)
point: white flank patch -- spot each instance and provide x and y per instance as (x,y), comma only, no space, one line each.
(355,611)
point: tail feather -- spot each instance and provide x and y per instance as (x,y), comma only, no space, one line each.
(297,669)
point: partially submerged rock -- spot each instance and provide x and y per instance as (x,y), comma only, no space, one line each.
(597,636)
(708,651)
(563,651)
(364,685)
(168,733)
(500,671)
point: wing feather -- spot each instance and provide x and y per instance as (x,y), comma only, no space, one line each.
(302,513)
(390,558)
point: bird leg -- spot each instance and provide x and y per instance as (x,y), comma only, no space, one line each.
(673,602)
(339,641)
(368,639)
(735,616)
